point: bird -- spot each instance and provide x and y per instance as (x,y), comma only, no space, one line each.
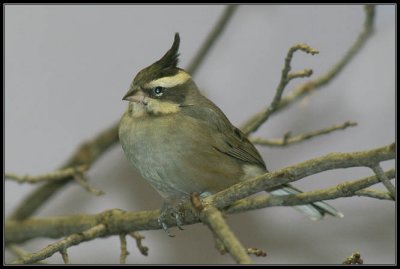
(181,142)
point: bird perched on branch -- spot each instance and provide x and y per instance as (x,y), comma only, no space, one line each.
(181,142)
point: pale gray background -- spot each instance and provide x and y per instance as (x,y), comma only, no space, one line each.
(67,68)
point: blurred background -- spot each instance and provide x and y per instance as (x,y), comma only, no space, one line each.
(68,66)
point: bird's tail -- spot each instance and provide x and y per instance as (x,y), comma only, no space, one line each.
(314,211)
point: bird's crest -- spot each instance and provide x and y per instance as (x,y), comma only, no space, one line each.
(166,66)
(170,59)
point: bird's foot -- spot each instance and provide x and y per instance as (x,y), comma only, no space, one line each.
(172,207)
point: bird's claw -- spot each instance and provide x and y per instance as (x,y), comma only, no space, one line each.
(173,210)
(164,226)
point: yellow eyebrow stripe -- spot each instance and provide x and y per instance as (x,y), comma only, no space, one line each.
(169,82)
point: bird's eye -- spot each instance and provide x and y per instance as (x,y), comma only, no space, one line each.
(158,91)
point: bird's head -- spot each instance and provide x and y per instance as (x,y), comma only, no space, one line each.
(162,88)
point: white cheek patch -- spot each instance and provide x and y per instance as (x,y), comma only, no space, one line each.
(169,82)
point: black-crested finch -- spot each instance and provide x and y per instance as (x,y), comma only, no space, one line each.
(181,142)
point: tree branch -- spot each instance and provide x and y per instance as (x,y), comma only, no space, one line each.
(288,139)
(308,87)
(215,221)
(346,189)
(299,171)
(118,221)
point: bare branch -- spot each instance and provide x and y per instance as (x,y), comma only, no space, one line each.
(346,189)
(118,221)
(124,250)
(57,175)
(308,87)
(298,171)
(213,218)
(285,78)
(385,181)
(355,258)
(211,38)
(72,240)
(139,238)
(288,139)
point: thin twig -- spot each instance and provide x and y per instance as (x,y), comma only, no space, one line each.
(57,175)
(286,77)
(211,38)
(118,221)
(213,218)
(72,240)
(139,238)
(81,179)
(288,139)
(385,181)
(375,194)
(124,249)
(355,258)
(64,255)
(308,87)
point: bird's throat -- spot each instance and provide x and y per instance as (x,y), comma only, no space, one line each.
(152,108)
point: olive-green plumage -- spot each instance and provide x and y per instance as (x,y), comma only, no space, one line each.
(181,142)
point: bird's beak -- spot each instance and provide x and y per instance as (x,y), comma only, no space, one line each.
(135,95)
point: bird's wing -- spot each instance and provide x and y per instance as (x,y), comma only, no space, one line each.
(228,139)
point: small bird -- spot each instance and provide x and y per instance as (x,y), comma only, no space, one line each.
(181,142)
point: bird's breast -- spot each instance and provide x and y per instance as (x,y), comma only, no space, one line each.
(176,153)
